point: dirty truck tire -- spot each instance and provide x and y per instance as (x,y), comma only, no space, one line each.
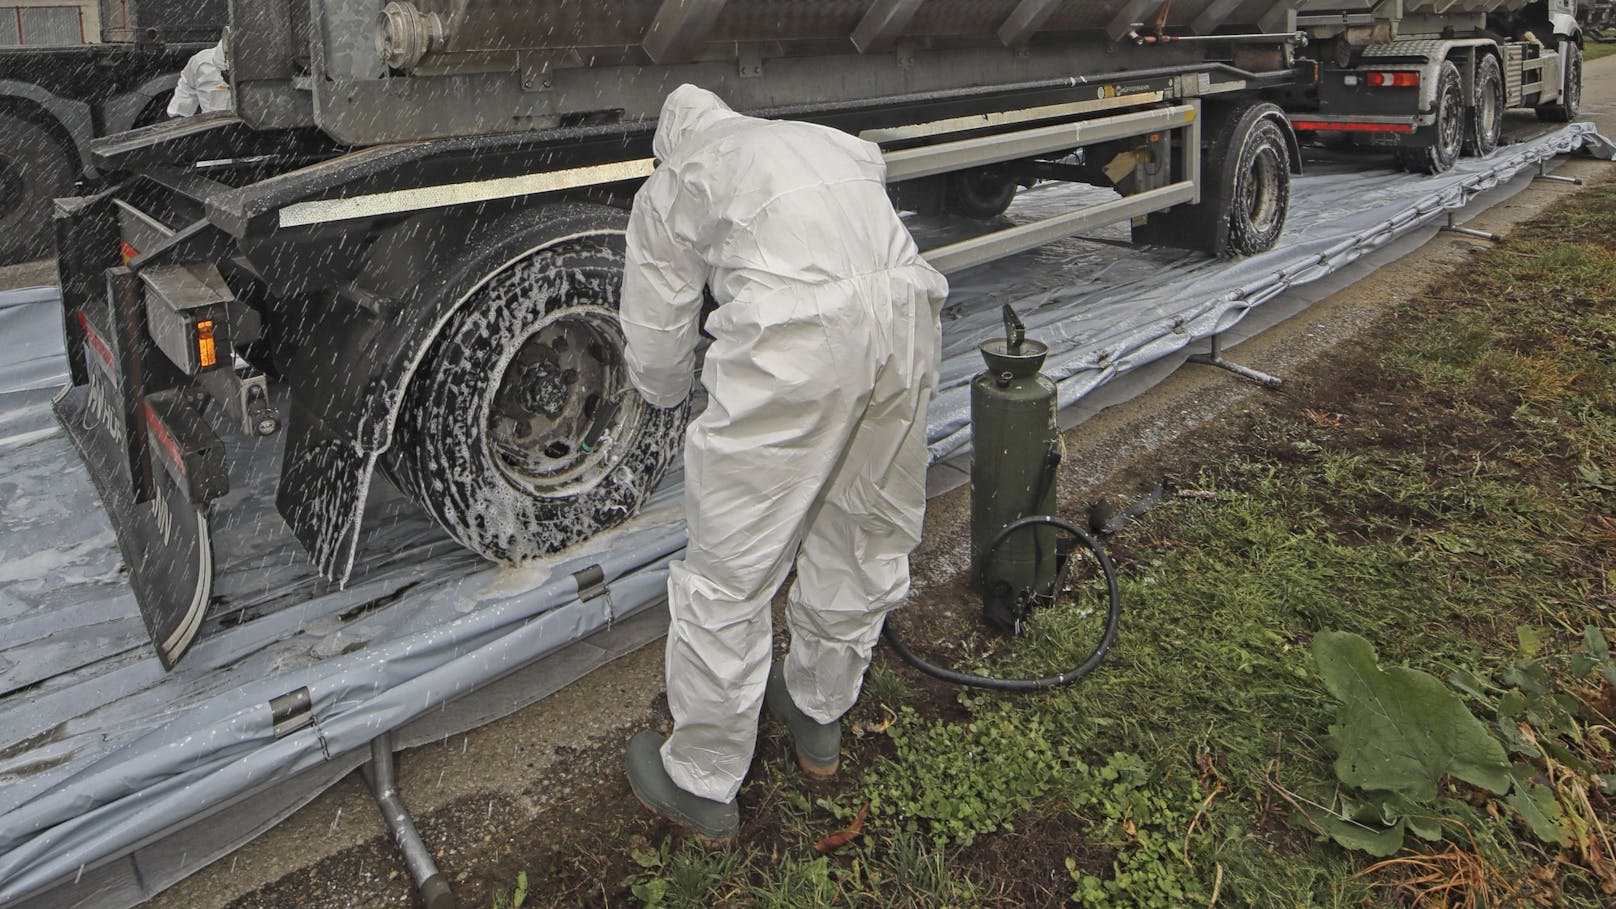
(1440,143)
(1245,197)
(1485,123)
(492,438)
(1570,104)
(981,194)
(34,169)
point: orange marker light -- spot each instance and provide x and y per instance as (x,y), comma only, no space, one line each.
(207,353)
(127,252)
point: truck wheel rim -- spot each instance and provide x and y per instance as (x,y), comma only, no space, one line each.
(1492,123)
(1450,122)
(561,376)
(1262,189)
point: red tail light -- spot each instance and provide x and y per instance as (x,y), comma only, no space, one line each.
(1407,79)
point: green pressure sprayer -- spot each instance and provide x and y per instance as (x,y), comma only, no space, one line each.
(1015,456)
(1021,552)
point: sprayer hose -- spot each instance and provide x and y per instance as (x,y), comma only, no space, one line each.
(1113,619)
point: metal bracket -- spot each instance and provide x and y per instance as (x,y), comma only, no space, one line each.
(591,583)
(1544,175)
(245,399)
(291,711)
(1215,358)
(537,70)
(1453,228)
(378,773)
(751,63)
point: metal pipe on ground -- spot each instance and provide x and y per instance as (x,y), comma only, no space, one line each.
(429,881)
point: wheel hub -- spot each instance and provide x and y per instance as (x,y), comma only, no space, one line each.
(545,409)
(544,386)
(1262,189)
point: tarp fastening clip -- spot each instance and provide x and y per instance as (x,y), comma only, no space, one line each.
(294,710)
(591,583)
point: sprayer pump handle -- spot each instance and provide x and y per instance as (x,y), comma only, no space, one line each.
(1014,331)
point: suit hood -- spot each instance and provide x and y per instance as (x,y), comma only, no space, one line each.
(687,112)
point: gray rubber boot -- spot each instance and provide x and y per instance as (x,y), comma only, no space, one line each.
(818,745)
(715,823)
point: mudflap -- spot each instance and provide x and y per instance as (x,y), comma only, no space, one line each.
(166,542)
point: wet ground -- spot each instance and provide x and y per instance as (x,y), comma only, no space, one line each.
(556,766)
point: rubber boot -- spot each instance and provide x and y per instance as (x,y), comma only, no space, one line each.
(818,745)
(715,823)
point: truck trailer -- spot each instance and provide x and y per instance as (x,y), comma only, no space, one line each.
(72,70)
(401,253)
(1432,79)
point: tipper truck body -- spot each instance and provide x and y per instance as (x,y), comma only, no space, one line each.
(401,253)
(69,72)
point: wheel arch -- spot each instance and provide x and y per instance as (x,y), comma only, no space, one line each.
(1214,112)
(125,112)
(70,121)
(349,390)
(1566,26)
(1291,140)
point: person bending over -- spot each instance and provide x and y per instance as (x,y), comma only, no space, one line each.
(812,447)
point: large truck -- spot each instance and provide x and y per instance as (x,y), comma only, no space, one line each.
(402,251)
(1431,79)
(72,70)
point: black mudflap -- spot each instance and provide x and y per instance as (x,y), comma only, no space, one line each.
(165,542)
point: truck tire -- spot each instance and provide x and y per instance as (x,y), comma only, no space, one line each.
(1245,197)
(491,440)
(982,194)
(34,169)
(1436,147)
(1570,104)
(1485,124)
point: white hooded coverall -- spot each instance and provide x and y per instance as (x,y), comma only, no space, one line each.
(813,444)
(203,86)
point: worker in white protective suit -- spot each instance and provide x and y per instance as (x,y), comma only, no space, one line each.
(812,448)
(204,85)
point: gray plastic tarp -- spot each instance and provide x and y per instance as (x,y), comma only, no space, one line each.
(106,762)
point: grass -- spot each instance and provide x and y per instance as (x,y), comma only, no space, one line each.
(1595,50)
(1439,488)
